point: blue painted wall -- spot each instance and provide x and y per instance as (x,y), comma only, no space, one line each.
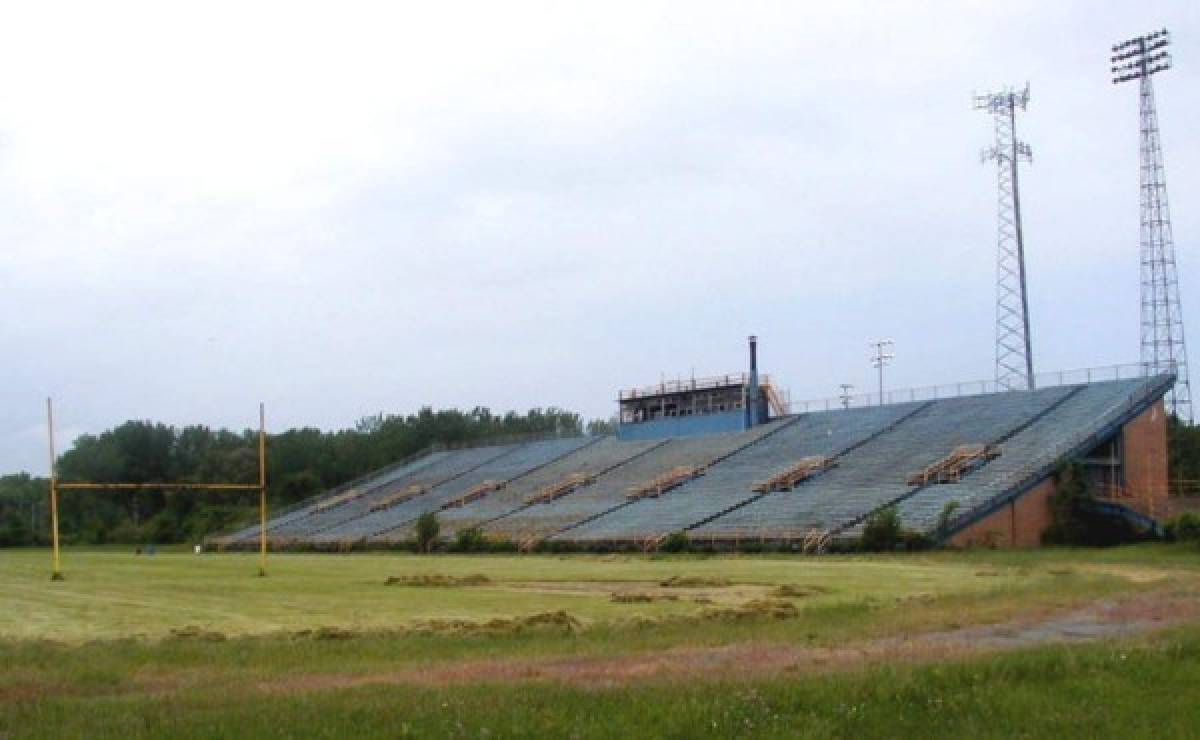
(684,426)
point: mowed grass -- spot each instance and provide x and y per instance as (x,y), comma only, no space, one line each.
(114,593)
(94,655)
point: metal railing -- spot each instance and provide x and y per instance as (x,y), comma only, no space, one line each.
(1125,371)
(688,385)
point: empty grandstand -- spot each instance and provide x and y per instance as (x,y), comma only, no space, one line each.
(966,469)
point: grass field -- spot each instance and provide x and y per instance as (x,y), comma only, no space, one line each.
(594,646)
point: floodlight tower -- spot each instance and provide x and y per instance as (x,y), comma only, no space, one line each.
(1014,355)
(1163,346)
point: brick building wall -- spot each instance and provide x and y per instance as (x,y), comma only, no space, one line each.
(1144,441)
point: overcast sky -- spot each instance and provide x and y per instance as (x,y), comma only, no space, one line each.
(363,208)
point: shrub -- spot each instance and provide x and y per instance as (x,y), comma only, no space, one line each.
(1185,527)
(470,539)
(428,528)
(915,541)
(946,517)
(882,532)
(1069,506)
(675,542)
(1078,520)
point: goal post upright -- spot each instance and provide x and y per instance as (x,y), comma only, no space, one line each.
(56,571)
(262,490)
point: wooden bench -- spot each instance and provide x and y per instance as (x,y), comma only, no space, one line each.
(560,488)
(408,494)
(341,498)
(806,468)
(475,493)
(669,480)
(961,461)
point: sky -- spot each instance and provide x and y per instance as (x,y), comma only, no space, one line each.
(354,208)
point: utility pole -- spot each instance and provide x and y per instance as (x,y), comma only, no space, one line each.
(1014,353)
(880,359)
(846,388)
(1163,348)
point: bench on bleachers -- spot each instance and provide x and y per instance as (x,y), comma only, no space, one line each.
(475,493)
(560,488)
(669,480)
(951,468)
(342,498)
(806,468)
(400,497)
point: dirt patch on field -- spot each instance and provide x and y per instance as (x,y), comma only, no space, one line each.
(1107,619)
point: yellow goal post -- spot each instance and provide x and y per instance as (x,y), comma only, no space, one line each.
(56,573)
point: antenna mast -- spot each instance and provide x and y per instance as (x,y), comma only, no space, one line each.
(1014,355)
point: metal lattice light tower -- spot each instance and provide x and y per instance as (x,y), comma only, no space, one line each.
(1163,347)
(1014,355)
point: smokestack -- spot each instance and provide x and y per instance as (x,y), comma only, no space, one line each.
(753,414)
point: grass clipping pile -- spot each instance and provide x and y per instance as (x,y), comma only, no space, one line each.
(434,580)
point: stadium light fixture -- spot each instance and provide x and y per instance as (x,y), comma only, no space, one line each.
(1141,57)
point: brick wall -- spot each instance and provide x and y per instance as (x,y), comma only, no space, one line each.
(1019,523)
(1144,443)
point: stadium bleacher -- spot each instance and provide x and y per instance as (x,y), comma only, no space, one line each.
(838,466)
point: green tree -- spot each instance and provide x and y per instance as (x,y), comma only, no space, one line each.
(601,427)
(428,529)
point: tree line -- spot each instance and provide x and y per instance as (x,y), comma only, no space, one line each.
(300,463)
